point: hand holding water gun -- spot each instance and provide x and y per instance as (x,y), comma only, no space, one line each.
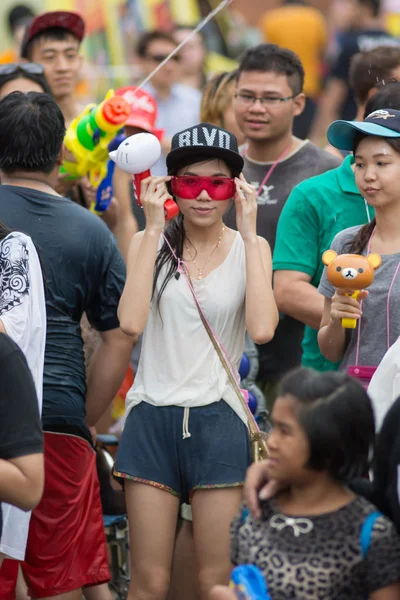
(87,141)
(350,274)
(136,155)
(248,583)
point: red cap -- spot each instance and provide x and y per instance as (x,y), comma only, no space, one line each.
(143,109)
(70,21)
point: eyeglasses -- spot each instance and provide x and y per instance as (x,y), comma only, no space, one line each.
(249,99)
(189,187)
(29,68)
(160,57)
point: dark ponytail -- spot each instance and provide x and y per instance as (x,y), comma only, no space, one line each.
(362,238)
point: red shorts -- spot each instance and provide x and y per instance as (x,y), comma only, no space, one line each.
(8,578)
(66,544)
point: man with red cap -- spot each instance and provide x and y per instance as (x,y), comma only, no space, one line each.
(53,39)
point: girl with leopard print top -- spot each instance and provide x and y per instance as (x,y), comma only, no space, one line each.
(308,542)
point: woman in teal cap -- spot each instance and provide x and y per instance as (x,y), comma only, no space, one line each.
(376,146)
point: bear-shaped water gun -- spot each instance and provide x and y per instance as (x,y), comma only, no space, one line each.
(136,155)
(248,583)
(352,272)
(89,135)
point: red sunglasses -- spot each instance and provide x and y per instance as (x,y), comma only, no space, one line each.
(189,187)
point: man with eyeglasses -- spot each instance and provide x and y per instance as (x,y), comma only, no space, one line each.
(178,105)
(268,96)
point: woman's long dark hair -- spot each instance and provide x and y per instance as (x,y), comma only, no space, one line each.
(175,234)
(360,242)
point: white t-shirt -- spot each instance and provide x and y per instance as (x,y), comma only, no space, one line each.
(23,313)
(178,364)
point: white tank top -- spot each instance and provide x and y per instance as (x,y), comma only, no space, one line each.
(178,364)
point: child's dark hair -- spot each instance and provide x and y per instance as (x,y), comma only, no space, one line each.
(338,419)
(270,57)
(176,236)
(360,242)
(32,132)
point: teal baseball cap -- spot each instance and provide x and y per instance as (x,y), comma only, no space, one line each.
(380,123)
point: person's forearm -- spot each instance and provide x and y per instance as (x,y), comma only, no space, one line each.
(332,340)
(18,488)
(302,302)
(106,374)
(134,306)
(261,311)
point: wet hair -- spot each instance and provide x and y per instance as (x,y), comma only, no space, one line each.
(150,36)
(217,96)
(38,78)
(175,234)
(337,417)
(58,34)
(32,131)
(270,57)
(388,96)
(19,15)
(371,69)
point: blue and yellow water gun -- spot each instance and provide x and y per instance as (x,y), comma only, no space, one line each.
(248,583)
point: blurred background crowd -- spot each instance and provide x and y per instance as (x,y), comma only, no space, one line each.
(316,30)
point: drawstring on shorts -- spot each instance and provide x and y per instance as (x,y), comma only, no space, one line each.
(185,424)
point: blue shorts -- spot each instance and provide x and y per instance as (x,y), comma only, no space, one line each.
(153,450)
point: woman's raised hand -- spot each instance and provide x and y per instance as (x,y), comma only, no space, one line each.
(153,195)
(246,208)
(343,306)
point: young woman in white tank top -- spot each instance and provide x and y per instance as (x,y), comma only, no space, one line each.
(185,437)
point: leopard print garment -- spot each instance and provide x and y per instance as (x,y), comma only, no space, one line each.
(318,558)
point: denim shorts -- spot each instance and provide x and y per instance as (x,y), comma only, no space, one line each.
(214,453)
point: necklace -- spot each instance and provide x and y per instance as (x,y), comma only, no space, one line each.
(200,270)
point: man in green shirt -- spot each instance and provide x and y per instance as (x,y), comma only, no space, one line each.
(316,210)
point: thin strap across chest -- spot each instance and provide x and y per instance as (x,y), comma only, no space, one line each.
(272,167)
(387,305)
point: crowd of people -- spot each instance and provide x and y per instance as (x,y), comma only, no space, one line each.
(93,300)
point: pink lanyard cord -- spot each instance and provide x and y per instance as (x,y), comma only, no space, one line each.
(387,306)
(272,167)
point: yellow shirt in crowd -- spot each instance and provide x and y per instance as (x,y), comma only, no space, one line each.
(302,29)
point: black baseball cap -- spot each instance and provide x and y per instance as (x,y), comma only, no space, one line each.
(208,141)
(70,21)
(381,123)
